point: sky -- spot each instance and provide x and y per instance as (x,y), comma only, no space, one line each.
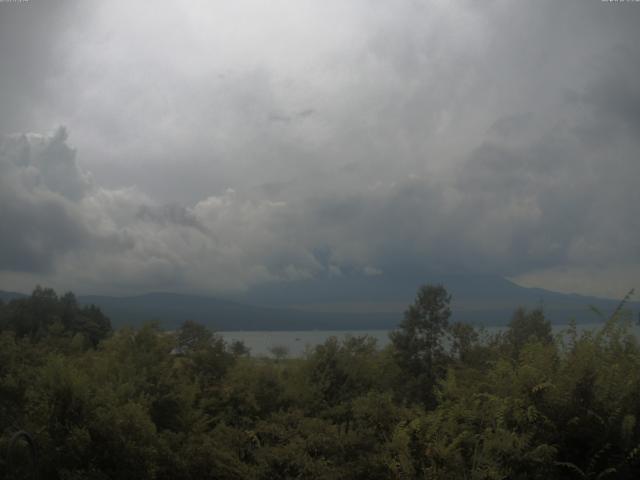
(210,147)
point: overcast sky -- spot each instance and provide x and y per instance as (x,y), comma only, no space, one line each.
(210,146)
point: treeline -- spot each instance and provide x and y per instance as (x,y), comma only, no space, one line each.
(442,401)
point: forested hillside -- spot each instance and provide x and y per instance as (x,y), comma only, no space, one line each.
(443,401)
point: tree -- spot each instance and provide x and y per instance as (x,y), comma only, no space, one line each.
(239,349)
(93,324)
(464,338)
(279,352)
(206,352)
(418,341)
(193,336)
(45,315)
(526,327)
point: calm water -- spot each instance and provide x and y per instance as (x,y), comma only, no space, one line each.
(296,342)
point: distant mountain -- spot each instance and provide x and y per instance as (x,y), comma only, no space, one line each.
(172,309)
(8,296)
(351,303)
(355,302)
(478,299)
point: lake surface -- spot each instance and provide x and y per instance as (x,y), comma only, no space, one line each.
(296,343)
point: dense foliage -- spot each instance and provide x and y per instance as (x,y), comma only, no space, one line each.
(441,401)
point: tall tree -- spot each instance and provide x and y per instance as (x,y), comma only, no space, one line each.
(527,326)
(418,342)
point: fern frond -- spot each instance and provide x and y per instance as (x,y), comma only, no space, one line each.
(621,305)
(572,467)
(606,473)
(596,457)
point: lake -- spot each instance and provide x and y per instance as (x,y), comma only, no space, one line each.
(297,341)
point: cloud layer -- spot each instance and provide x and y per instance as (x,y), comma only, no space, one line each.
(236,143)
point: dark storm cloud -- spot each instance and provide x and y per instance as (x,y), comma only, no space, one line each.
(36,231)
(613,97)
(38,186)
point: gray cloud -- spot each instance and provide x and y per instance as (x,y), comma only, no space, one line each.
(38,186)
(30,55)
(170,214)
(494,138)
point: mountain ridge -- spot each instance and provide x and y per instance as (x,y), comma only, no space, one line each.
(344,304)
